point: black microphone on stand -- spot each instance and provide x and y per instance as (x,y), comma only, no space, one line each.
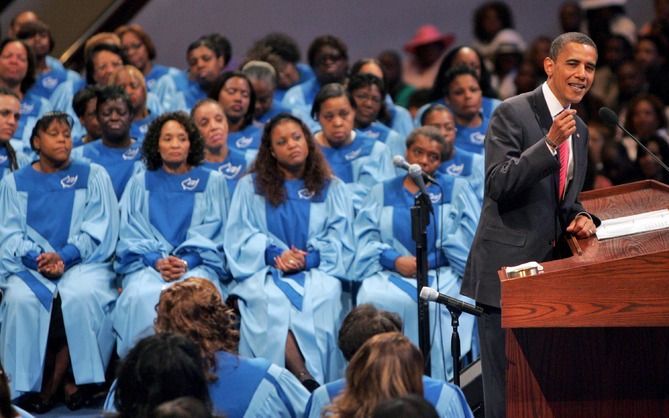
(400,162)
(429,294)
(610,118)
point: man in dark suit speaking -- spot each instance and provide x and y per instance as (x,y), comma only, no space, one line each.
(536,157)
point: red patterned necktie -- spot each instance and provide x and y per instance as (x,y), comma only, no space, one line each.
(563,153)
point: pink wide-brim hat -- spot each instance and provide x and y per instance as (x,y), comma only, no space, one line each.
(428,34)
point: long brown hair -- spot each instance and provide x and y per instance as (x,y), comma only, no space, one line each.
(195,309)
(269,180)
(387,366)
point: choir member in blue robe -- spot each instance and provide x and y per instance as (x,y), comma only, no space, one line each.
(116,151)
(132,81)
(48,75)
(288,246)
(262,76)
(60,227)
(464,99)
(213,126)
(239,387)
(362,323)
(358,160)
(172,217)
(456,162)
(141,52)
(386,253)
(10,113)
(371,114)
(235,94)
(328,57)
(17,73)
(206,63)
(396,117)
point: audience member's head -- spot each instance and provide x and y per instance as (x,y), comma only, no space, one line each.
(262,76)
(84,104)
(17,65)
(282,52)
(168,127)
(490,18)
(407,406)
(195,308)
(38,36)
(20,19)
(137,46)
(362,323)
(184,407)
(114,111)
(645,115)
(158,369)
(132,81)
(10,114)
(368,92)
(102,61)
(463,56)
(387,366)
(234,92)
(206,61)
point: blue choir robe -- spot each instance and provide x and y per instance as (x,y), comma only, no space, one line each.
(305,72)
(274,110)
(248,139)
(121,163)
(233,167)
(383,232)
(178,92)
(300,98)
(139,128)
(166,214)
(447,399)
(472,138)
(308,302)
(159,71)
(72,212)
(48,81)
(21,159)
(32,108)
(467,165)
(396,143)
(360,164)
(400,118)
(255,388)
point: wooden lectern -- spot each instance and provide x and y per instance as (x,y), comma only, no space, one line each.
(590,336)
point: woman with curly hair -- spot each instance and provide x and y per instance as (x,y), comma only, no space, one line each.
(387,366)
(172,224)
(238,386)
(287,246)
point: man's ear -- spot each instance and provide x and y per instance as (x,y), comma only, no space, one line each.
(548,66)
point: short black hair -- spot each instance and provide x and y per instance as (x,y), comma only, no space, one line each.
(216,91)
(43,124)
(113,92)
(82,97)
(279,44)
(326,40)
(562,40)
(90,69)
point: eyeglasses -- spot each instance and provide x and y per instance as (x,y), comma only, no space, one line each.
(323,59)
(363,97)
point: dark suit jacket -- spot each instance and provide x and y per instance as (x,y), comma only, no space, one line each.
(521,216)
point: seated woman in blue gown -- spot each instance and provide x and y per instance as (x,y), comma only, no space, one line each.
(457,162)
(239,387)
(172,218)
(288,245)
(386,253)
(10,113)
(235,94)
(17,74)
(358,160)
(57,278)
(367,91)
(213,126)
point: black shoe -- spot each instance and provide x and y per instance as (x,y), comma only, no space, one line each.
(33,402)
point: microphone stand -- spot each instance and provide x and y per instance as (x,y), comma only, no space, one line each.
(455,341)
(420,219)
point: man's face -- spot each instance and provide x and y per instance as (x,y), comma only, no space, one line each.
(571,74)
